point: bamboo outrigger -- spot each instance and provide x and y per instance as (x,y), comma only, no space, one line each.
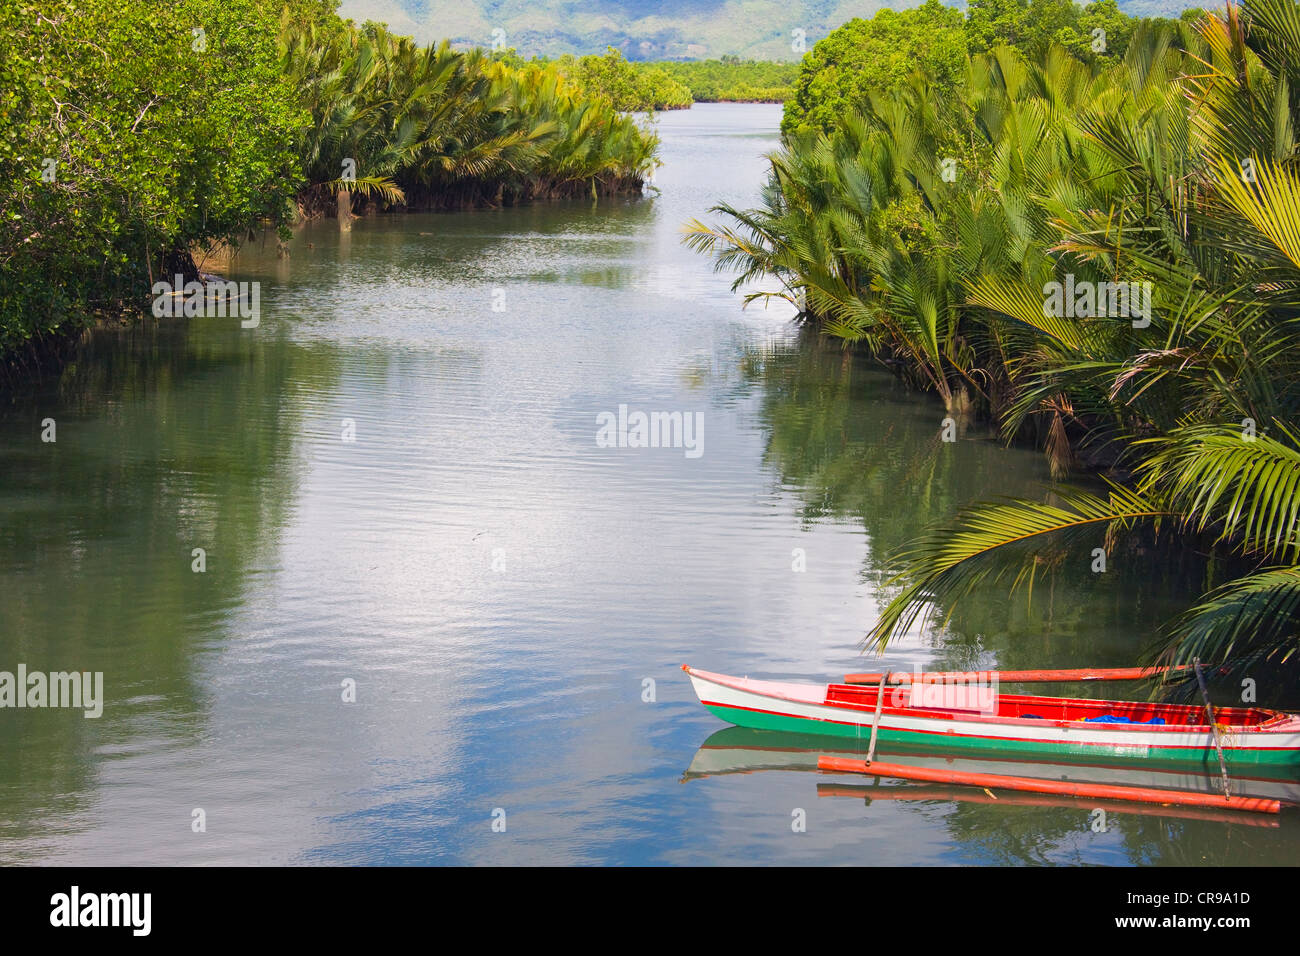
(741,750)
(1060,787)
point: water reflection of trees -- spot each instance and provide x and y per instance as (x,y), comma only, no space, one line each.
(1026,835)
(857,445)
(169,438)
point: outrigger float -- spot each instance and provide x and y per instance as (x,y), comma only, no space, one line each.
(742,751)
(901,711)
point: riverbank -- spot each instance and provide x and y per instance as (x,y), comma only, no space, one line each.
(120,174)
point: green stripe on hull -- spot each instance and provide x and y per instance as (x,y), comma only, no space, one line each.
(1118,755)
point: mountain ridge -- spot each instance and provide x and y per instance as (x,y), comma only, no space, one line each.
(644,29)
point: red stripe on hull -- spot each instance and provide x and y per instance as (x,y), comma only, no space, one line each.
(945,734)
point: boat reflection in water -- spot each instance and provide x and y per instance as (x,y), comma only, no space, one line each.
(741,750)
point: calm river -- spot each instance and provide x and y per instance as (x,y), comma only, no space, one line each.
(399,494)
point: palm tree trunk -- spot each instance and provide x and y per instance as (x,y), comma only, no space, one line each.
(345,210)
(957,401)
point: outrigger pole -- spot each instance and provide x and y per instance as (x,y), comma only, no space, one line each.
(996,781)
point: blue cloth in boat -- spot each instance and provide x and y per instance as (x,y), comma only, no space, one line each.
(1108,719)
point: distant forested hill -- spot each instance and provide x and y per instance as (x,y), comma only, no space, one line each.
(645,29)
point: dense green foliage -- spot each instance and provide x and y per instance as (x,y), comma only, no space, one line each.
(132,130)
(731,79)
(636,88)
(878,55)
(433,126)
(670,84)
(939,231)
(1032,25)
(125,134)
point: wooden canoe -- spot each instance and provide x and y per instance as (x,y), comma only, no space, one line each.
(1020,725)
